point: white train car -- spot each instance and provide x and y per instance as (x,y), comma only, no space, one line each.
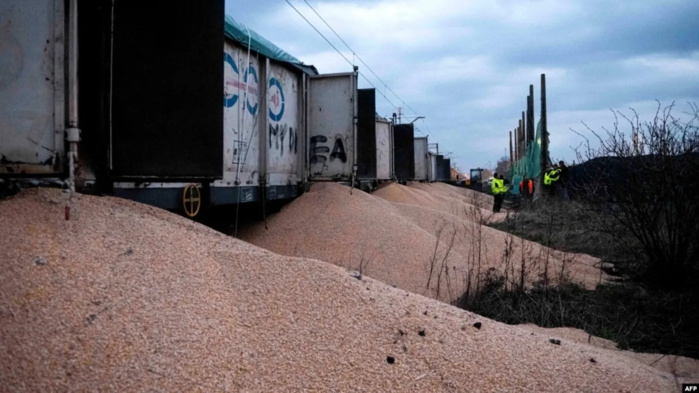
(264,120)
(180,108)
(422,161)
(384,151)
(332,131)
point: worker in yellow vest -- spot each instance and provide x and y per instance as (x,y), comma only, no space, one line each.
(499,189)
(550,177)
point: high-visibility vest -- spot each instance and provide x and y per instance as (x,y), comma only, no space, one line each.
(551,176)
(555,175)
(498,186)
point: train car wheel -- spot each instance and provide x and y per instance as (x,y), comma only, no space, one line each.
(191,200)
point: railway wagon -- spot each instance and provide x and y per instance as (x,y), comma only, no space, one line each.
(262,137)
(116,97)
(442,165)
(447,169)
(384,150)
(128,100)
(422,161)
(124,100)
(264,120)
(341,130)
(403,152)
(433,167)
(366,139)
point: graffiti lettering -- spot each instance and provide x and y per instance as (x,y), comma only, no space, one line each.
(319,154)
(276,135)
(276,138)
(339,151)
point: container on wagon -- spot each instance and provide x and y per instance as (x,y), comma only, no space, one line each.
(422,162)
(332,135)
(384,151)
(404,148)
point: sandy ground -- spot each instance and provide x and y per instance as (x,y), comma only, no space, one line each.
(409,236)
(126,297)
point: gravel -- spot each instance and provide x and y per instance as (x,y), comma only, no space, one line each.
(133,298)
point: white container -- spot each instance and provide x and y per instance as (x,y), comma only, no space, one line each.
(284,149)
(422,163)
(433,167)
(332,108)
(241,118)
(32,86)
(384,150)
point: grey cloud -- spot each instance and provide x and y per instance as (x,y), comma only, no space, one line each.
(589,50)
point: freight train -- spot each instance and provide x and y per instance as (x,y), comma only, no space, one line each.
(126,100)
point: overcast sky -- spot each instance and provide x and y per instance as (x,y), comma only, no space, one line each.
(467,65)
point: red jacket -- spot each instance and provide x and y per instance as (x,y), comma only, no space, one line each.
(529,191)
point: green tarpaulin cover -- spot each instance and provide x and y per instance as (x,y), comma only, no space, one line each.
(529,164)
(240,33)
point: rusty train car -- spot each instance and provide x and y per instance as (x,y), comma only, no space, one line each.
(120,99)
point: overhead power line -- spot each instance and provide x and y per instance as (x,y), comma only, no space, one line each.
(359,58)
(338,51)
(352,63)
(318,31)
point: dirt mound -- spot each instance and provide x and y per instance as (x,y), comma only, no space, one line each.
(125,297)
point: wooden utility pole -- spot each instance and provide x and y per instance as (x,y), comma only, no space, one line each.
(518,140)
(530,119)
(523,129)
(544,128)
(526,120)
(511,158)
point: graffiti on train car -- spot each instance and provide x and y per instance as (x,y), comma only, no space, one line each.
(320,149)
(277,133)
(241,116)
(233,85)
(276,99)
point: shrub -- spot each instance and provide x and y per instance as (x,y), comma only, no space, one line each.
(643,178)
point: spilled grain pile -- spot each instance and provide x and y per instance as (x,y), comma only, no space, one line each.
(457,201)
(682,368)
(461,211)
(419,245)
(356,231)
(125,297)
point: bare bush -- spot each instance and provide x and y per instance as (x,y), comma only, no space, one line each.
(643,177)
(438,264)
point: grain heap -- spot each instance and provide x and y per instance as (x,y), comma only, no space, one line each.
(683,369)
(126,297)
(409,245)
(458,201)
